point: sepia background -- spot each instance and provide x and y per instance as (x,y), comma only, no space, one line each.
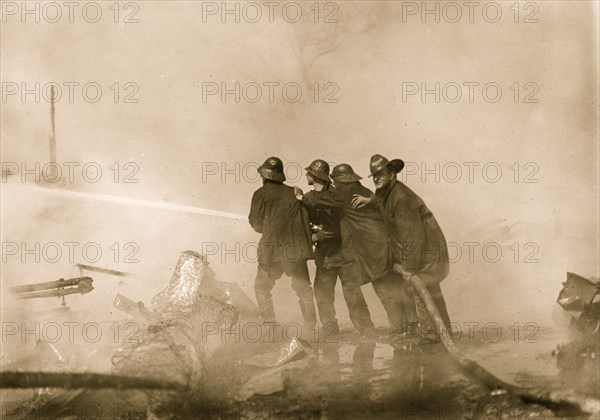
(201,152)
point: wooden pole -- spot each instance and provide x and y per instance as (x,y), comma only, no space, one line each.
(34,287)
(52,136)
(81,380)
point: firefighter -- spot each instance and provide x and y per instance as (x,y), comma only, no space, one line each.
(418,243)
(329,258)
(285,244)
(365,242)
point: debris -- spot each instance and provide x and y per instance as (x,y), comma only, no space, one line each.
(228,292)
(182,292)
(174,345)
(137,310)
(100,270)
(52,348)
(233,294)
(59,288)
(293,350)
(264,383)
(563,397)
(228,297)
(80,380)
(269,381)
(46,356)
(292,355)
(580,298)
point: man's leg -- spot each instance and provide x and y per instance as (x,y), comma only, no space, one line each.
(409,307)
(263,284)
(324,288)
(400,307)
(436,293)
(301,284)
(362,360)
(431,275)
(350,276)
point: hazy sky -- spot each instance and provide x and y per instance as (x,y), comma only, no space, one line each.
(363,67)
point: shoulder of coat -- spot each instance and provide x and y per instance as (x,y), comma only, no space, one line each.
(405,194)
(364,190)
(259,191)
(401,192)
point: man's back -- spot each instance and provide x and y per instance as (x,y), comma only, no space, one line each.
(327,252)
(363,231)
(283,222)
(414,229)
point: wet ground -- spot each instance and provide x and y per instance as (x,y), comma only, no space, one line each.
(351,377)
(344,376)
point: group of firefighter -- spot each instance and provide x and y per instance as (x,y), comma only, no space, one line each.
(359,236)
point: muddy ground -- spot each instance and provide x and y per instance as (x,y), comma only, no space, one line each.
(343,376)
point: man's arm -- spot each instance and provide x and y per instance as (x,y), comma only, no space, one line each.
(257,213)
(323,199)
(410,230)
(360,201)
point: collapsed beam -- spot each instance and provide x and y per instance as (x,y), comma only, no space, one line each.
(57,288)
(101,270)
(81,380)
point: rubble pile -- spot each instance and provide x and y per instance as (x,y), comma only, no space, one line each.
(578,359)
(173,345)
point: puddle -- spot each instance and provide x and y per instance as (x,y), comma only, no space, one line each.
(358,378)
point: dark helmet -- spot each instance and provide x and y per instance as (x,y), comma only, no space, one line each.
(344,173)
(378,162)
(319,169)
(272,169)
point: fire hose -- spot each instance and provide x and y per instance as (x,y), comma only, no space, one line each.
(549,398)
(18,379)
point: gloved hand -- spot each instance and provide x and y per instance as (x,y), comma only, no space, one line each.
(398,268)
(359,201)
(298,192)
(322,235)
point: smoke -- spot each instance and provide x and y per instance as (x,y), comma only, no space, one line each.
(173,137)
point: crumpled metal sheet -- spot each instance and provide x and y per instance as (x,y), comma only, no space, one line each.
(292,350)
(135,309)
(171,351)
(175,347)
(271,380)
(182,292)
(577,295)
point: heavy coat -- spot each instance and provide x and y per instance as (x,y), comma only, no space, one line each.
(417,240)
(327,251)
(283,222)
(362,230)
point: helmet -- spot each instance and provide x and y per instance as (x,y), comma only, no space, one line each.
(344,173)
(319,169)
(378,162)
(272,169)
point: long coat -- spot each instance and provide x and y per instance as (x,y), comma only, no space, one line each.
(362,230)
(327,251)
(417,240)
(279,216)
